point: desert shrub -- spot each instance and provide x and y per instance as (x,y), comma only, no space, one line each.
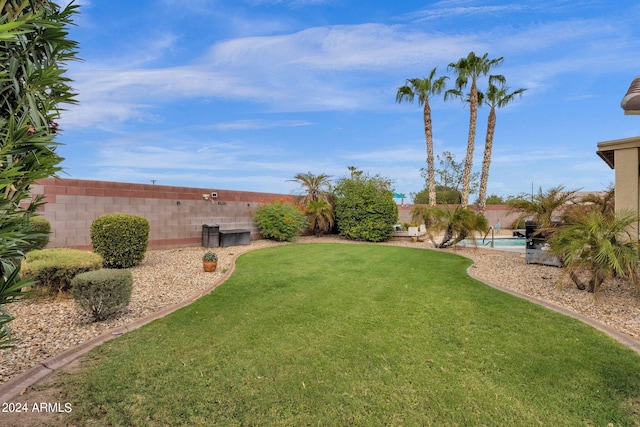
(280,220)
(102,293)
(40,228)
(365,209)
(53,269)
(120,239)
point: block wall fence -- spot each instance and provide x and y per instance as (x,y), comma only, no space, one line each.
(175,214)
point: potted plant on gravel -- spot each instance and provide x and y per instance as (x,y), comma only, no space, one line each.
(209,261)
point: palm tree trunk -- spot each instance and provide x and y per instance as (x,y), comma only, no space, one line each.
(447,239)
(486,162)
(577,281)
(428,132)
(468,162)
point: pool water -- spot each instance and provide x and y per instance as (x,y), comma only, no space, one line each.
(513,242)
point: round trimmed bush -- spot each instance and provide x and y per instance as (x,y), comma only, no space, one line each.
(102,293)
(120,239)
(280,220)
(365,209)
(53,269)
(41,227)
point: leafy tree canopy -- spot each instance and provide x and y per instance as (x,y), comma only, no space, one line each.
(365,209)
(33,50)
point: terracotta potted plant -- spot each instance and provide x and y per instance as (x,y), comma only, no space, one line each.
(209,261)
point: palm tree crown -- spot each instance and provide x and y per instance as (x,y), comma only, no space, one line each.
(313,187)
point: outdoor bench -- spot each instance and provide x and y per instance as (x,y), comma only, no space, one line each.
(234,237)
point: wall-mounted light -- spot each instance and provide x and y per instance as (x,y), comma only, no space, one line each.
(214,194)
(205,196)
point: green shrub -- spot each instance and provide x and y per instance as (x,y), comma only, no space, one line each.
(53,269)
(102,293)
(120,239)
(41,227)
(280,220)
(365,209)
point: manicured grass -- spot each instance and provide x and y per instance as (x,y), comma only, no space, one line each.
(366,335)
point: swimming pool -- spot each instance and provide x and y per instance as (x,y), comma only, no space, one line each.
(510,242)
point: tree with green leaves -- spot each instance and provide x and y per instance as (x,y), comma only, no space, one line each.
(449,179)
(34,49)
(424,89)
(496,96)
(365,209)
(468,70)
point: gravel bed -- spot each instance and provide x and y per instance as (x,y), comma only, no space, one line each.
(44,328)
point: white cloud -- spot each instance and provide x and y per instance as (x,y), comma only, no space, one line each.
(259,124)
(340,67)
(437,12)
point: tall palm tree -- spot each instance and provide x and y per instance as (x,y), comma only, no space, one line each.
(600,245)
(468,69)
(496,96)
(424,89)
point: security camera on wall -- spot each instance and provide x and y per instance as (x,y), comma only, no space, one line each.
(214,194)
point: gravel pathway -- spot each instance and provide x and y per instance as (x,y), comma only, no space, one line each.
(45,328)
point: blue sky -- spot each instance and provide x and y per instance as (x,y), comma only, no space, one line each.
(244,94)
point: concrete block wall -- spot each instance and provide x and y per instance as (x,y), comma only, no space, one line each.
(175,214)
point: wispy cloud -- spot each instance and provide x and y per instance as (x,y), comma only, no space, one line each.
(259,124)
(438,12)
(320,63)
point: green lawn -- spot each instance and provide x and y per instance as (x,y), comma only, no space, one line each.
(367,335)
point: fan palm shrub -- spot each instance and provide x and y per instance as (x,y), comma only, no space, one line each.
(320,215)
(597,246)
(455,224)
(317,200)
(542,207)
